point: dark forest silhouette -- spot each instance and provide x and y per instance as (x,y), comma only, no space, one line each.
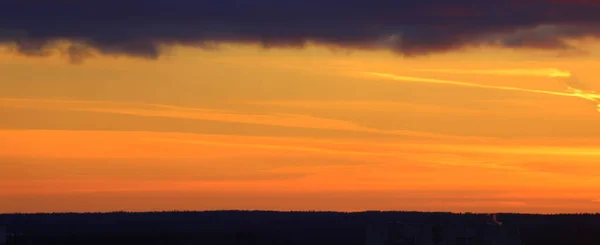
(263,227)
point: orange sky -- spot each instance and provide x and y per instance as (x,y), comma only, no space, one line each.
(480,130)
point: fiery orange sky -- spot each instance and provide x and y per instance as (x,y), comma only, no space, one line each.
(480,130)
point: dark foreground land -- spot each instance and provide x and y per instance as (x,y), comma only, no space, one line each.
(262,227)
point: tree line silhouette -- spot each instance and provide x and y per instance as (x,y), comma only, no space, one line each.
(264,227)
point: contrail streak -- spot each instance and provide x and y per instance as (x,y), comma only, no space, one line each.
(572,92)
(464,84)
(573,86)
(550,72)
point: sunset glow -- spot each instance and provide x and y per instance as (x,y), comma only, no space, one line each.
(327,125)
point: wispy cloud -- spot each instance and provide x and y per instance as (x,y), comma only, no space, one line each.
(570,92)
(169,111)
(459,83)
(364,105)
(207,168)
(96,162)
(511,149)
(277,147)
(548,72)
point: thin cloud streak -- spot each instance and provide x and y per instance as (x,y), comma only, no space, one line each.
(573,92)
(354,105)
(13,138)
(550,72)
(509,149)
(420,167)
(274,147)
(169,111)
(395,149)
(463,84)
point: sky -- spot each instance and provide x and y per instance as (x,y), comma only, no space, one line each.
(299,105)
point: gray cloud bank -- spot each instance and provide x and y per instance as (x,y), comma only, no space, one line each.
(409,27)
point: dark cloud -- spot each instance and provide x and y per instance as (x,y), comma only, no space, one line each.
(409,27)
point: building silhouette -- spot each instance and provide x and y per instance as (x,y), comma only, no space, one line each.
(3,235)
(445,230)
